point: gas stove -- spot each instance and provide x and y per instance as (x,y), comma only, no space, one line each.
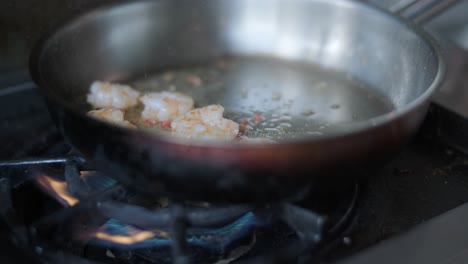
(56,208)
(76,210)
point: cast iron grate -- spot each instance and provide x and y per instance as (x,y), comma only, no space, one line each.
(308,228)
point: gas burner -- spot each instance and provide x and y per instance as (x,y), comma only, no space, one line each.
(91,215)
(39,226)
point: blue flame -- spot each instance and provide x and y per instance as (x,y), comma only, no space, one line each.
(215,239)
(116,234)
(97,181)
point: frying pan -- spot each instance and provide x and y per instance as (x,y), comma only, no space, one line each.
(388,55)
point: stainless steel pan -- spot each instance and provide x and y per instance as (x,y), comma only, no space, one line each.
(367,75)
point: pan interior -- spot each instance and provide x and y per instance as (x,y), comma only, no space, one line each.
(375,63)
(290,99)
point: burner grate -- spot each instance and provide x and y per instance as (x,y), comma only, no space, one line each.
(51,227)
(102,202)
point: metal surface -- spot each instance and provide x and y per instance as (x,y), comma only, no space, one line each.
(452,31)
(392,57)
(32,161)
(421,11)
(452,96)
(453,92)
(442,240)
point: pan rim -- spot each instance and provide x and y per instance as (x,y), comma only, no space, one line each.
(353,129)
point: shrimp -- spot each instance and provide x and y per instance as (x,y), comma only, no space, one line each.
(112,115)
(205,123)
(105,94)
(165,106)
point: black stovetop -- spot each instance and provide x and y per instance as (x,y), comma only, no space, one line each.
(426,179)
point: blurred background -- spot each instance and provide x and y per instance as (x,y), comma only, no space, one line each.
(23,22)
